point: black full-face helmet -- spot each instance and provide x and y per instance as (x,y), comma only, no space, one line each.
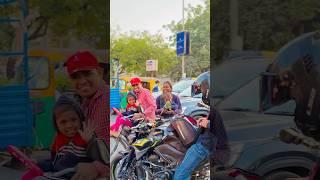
(205,90)
(295,75)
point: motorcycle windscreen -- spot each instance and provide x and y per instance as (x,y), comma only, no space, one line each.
(272,93)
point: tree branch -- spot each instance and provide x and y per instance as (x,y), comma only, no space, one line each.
(41,30)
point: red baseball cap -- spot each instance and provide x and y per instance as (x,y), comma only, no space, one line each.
(135,80)
(80,61)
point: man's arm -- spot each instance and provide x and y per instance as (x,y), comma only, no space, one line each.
(101,117)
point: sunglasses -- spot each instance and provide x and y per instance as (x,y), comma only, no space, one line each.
(133,85)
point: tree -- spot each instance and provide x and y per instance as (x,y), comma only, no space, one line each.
(61,21)
(263,25)
(220,38)
(135,48)
(85,20)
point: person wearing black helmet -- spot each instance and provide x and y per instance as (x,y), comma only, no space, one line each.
(212,138)
(294,76)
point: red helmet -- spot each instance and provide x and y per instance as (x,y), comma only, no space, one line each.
(135,81)
(84,60)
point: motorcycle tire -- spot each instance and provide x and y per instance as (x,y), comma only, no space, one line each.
(281,175)
(115,162)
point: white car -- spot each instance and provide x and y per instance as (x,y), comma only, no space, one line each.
(182,85)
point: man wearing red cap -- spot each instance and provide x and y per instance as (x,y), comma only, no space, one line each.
(82,68)
(145,99)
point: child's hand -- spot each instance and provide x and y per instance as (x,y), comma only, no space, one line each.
(153,122)
(137,116)
(88,130)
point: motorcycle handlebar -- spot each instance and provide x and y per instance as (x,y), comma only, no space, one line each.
(201,104)
(291,135)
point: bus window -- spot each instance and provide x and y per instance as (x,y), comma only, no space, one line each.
(39,73)
(122,84)
(11,71)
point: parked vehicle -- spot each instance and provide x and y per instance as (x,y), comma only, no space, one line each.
(262,154)
(224,82)
(181,85)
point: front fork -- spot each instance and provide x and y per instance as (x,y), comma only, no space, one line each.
(127,162)
(140,171)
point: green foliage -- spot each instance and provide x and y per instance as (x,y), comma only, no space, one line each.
(135,48)
(84,20)
(63,83)
(263,25)
(219,30)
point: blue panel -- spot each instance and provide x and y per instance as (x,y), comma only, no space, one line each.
(11,53)
(115,97)
(15,117)
(187,43)
(9,20)
(15,107)
(180,47)
(183,43)
(7,1)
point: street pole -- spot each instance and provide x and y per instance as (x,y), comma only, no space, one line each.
(235,40)
(183,71)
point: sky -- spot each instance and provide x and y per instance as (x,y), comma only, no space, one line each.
(147,15)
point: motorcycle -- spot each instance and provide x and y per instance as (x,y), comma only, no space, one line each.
(127,135)
(157,155)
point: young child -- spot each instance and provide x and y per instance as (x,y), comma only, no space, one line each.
(169,105)
(69,148)
(132,108)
